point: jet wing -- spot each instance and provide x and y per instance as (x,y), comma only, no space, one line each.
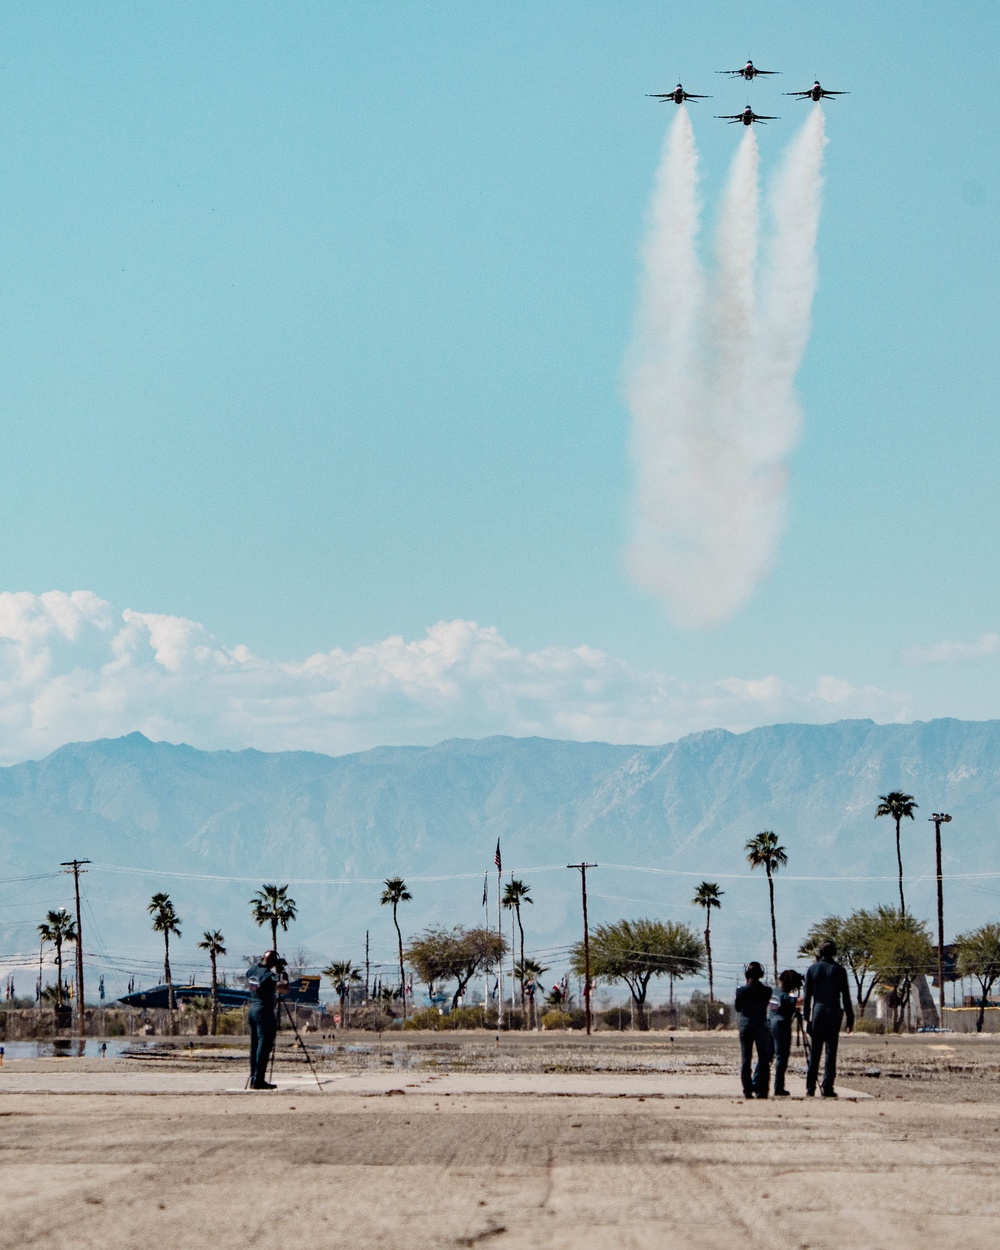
(763,117)
(689,96)
(801,95)
(729,117)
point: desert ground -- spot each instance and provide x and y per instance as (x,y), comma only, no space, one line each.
(536,1141)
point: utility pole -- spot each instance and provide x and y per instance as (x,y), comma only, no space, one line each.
(74,866)
(586,939)
(939,819)
(367,965)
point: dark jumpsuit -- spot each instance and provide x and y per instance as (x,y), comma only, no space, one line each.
(827,1004)
(263,983)
(752,1001)
(780,1016)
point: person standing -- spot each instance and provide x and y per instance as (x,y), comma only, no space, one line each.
(827,1006)
(781,1013)
(752,1001)
(266,980)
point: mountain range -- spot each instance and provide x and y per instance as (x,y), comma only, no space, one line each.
(210,827)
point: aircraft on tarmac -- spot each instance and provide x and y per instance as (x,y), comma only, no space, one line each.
(747,117)
(678,95)
(815,92)
(749,71)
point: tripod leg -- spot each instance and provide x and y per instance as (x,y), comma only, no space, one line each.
(291,1020)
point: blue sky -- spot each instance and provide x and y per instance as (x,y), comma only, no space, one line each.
(312,325)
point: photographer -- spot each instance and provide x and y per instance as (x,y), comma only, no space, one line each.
(784,1005)
(265,980)
(827,1006)
(752,1002)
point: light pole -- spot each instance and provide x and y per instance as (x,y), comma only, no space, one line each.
(74,866)
(939,819)
(586,938)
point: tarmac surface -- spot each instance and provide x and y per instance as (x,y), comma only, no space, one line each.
(428,1142)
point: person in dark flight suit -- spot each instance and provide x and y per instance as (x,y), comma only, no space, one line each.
(265,980)
(827,1006)
(781,1013)
(752,1002)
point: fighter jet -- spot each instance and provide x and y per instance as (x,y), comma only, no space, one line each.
(815,92)
(678,95)
(749,71)
(747,117)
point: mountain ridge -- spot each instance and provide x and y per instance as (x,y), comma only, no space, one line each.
(678,811)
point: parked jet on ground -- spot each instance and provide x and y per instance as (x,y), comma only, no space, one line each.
(749,71)
(747,117)
(678,95)
(815,92)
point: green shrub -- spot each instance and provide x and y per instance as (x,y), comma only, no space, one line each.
(617,1018)
(427,1018)
(231,1023)
(868,1026)
(555,1020)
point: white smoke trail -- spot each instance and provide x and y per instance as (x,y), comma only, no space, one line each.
(664,377)
(711,389)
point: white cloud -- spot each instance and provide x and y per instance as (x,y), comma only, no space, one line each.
(73,668)
(952,652)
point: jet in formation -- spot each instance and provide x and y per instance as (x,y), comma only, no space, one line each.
(747,117)
(678,95)
(815,92)
(749,71)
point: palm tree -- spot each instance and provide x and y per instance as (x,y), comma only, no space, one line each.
(343,974)
(897,805)
(58,927)
(165,921)
(708,895)
(764,852)
(395,892)
(514,895)
(271,905)
(213,942)
(529,970)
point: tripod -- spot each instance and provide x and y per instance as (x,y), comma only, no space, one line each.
(801,1034)
(298,1037)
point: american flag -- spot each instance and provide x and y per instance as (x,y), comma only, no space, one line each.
(496,857)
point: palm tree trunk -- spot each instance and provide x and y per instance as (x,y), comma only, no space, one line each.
(169,981)
(274,934)
(774,929)
(899,861)
(215,996)
(520,929)
(59,998)
(708,952)
(402,972)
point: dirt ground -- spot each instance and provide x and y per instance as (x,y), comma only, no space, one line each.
(914,1164)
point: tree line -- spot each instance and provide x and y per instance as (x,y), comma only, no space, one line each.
(884,946)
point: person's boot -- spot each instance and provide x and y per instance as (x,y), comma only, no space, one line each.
(781,1093)
(828,1093)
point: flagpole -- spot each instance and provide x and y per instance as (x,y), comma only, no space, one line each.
(499,935)
(486,971)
